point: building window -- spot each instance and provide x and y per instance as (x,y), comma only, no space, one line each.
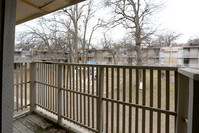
(110,59)
(129,60)
(186,61)
(89,59)
(156,61)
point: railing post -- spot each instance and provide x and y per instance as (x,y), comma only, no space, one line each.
(188,103)
(182,109)
(59,93)
(33,72)
(100,101)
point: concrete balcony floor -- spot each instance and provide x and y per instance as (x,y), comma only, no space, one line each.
(35,124)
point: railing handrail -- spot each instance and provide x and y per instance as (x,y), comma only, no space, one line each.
(115,66)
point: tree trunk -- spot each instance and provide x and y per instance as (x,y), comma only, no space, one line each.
(76,43)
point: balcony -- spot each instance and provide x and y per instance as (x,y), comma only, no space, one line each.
(91,54)
(105,98)
(190,56)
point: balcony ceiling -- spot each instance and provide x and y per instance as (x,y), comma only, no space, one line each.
(30,9)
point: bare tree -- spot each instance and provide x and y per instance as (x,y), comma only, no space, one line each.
(193,41)
(80,16)
(48,35)
(112,47)
(166,39)
(130,52)
(67,29)
(74,13)
(135,16)
(89,44)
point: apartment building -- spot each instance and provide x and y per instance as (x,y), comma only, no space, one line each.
(191,56)
(186,56)
(153,56)
(104,56)
(27,55)
(171,56)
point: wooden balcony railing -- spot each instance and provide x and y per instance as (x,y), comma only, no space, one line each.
(102,98)
(21,87)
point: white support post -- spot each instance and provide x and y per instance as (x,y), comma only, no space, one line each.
(60,73)
(33,73)
(188,103)
(7,33)
(100,101)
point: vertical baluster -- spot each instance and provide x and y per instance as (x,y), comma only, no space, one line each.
(39,79)
(70,92)
(88,79)
(137,99)
(77,104)
(48,82)
(159,102)
(60,81)
(67,87)
(93,114)
(17,87)
(130,100)
(52,88)
(96,84)
(107,88)
(21,71)
(45,87)
(64,86)
(84,95)
(53,80)
(42,81)
(151,101)
(112,97)
(14,74)
(118,98)
(56,90)
(73,93)
(167,99)
(26,84)
(49,92)
(81,111)
(65,96)
(144,101)
(38,84)
(124,99)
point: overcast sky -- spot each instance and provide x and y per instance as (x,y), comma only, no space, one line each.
(181,16)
